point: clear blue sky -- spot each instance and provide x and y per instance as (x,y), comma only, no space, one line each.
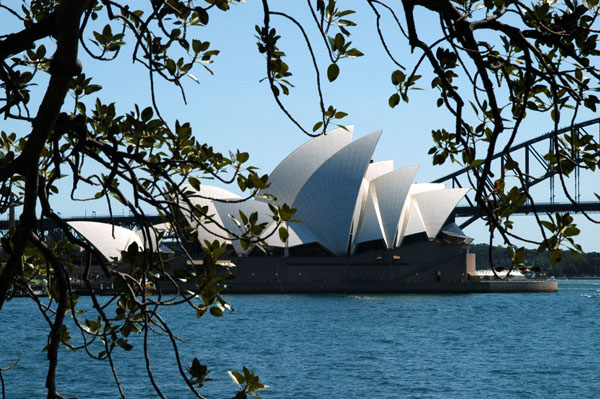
(234,110)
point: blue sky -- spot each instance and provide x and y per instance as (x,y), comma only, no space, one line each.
(234,110)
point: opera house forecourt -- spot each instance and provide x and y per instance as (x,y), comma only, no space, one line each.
(365,227)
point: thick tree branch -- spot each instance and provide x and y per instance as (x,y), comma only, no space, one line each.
(64,66)
(25,39)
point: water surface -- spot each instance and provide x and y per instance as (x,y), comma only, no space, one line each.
(347,346)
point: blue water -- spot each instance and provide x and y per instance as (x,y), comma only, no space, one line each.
(347,346)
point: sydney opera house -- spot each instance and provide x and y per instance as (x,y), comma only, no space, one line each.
(362,222)
(365,226)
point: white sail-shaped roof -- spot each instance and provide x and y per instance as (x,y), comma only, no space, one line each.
(370,227)
(411,221)
(365,212)
(341,196)
(435,207)
(207,196)
(418,188)
(327,201)
(377,169)
(152,236)
(452,230)
(391,192)
(109,240)
(228,210)
(359,212)
(293,172)
(299,234)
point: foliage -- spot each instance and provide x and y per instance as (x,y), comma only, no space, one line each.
(248,383)
(493,63)
(135,158)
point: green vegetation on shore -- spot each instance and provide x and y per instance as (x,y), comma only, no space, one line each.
(582,265)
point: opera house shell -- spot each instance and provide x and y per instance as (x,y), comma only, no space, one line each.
(342,197)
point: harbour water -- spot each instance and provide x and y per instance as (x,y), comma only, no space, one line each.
(346,346)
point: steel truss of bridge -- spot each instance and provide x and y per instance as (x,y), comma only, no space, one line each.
(530,156)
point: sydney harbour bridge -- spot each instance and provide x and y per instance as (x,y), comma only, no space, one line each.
(532,162)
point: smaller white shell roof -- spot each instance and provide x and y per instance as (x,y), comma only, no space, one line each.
(154,234)
(370,228)
(230,211)
(453,230)
(208,193)
(359,216)
(435,207)
(417,188)
(109,240)
(391,193)
(365,223)
(411,221)
(207,196)
(377,169)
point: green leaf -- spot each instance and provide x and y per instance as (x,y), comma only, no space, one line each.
(394,100)
(520,255)
(147,114)
(353,53)
(196,46)
(571,231)
(194,183)
(242,157)
(171,66)
(236,377)
(198,372)
(398,77)
(92,88)
(548,225)
(511,164)
(339,42)
(283,234)
(332,72)
(216,311)
(476,163)
(245,244)
(555,256)
(202,15)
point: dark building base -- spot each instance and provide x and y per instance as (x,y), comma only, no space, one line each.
(417,267)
